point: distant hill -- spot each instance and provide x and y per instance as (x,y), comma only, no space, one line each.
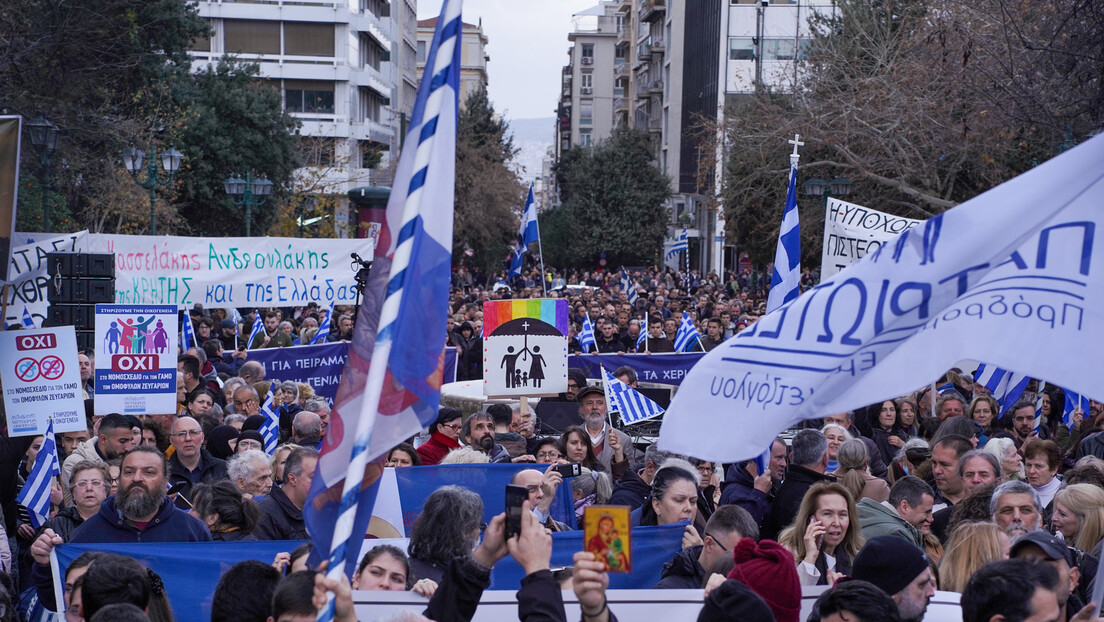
(533,129)
(532,137)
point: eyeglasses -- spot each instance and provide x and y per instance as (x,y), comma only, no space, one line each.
(723,547)
(455,427)
(188,434)
(705,469)
(549,455)
(86,483)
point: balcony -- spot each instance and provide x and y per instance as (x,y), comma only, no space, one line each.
(657,46)
(620,70)
(652,10)
(620,104)
(642,89)
(644,50)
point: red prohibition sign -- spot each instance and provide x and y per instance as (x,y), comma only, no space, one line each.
(52,367)
(27,369)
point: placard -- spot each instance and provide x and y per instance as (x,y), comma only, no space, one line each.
(136,359)
(41,380)
(852,231)
(524,347)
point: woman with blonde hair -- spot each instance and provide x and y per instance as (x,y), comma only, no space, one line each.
(854,473)
(826,535)
(972,545)
(1079,516)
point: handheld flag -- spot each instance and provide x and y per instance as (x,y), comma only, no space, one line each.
(1039,395)
(28,321)
(323,328)
(586,336)
(786,279)
(1005,386)
(642,338)
(270,430)
(35,495)
(1074,401)
(528,233)
(628,287)
(390,387)
(626,400)
(680,244)
(687,334)
(258,328)
(189,340)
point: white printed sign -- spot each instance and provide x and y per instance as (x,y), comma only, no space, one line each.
(41,380)
(136,359)
(27,287)
(851,231)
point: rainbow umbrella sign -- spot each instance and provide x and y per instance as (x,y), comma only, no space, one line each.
(524,347)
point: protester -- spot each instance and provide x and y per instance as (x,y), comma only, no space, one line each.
(229,515)
(447,528)
(385,567)
(403,455)
(808,463)
(113,440)
(1014,589)
(853,472)
(446,432)
(725,529)
(191,463)
(89,488)
(231,603)
(756,494)
(673,500)
(901,570)
(282,510)
(823,539)
(1005,450)
(1015,508)
(855,601)
(768,569)
(906,514)
(1079,515)
(1040,546)
(971,546)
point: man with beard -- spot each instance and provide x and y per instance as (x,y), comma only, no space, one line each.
(479,430)
(140,512)
(1015,508)
(610,445)
(900,570)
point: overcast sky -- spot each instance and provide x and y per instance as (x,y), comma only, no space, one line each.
(528,48)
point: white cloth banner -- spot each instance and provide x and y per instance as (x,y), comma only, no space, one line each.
(851,231)
(223,272)
(1012,277)
(28,273)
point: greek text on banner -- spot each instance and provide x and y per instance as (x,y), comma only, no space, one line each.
(851,231)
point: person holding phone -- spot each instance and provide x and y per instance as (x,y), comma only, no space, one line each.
(825,536)
(541,488)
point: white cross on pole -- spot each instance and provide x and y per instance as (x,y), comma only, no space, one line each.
(796,142)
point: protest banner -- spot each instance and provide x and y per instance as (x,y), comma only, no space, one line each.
(524,347)
(661,368)
(136,364)
(851,231)
(230,272)
(27,278)
(41,381)
(1029,300)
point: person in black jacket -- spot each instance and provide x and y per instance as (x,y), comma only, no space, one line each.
(808,463)
(691,567)
(282,510)
(190,463)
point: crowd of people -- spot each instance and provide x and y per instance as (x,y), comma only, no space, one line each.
(940,489)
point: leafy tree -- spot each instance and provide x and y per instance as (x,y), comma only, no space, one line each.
(489,195)
(613,202)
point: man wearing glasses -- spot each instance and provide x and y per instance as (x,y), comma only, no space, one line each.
(190,463)
(690,567)
(445,437)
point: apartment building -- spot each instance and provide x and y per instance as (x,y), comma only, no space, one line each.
(585,112)
(345,68)
(473,55)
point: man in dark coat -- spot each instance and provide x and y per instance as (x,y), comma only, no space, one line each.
(282,509)
(191,463)
(755,494)
(690,568)
(808,463)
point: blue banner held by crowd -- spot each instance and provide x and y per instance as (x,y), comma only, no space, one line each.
(662,368)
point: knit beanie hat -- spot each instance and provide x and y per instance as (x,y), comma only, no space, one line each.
(733,601)
(769,570)
(254,422)
(889,562)
(252,435)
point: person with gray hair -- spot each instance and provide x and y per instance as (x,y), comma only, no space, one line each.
(321,407)
(447,528)
(808,463)
(251,471)
(907,514)
(251,372)
(635,485)
(306,429)
(1015,508)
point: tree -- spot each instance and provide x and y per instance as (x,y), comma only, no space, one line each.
(489,195)
(613,203)
(922,104)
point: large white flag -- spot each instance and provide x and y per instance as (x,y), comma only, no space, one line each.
(1012,277)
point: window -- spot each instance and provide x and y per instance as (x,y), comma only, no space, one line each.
(585,138)
(586,80)
(306,39)
(203,44)
(316,151)
(251,36)
(586,111)
(588,50)
(741,48)
(309,96)
(421,51)
(778,49)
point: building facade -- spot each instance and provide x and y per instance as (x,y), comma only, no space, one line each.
(473,55)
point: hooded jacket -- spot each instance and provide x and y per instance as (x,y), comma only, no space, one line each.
(739,489)
(879,519)
(683,572)
(170,524)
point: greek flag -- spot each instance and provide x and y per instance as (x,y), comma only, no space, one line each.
(1039,405)
(258,328)
(623,399)
(586,336)
(35,495)
(786,280)
(323,328)
(390,387)
(628,287)
(1074,401)
(28,321)
(189,340)
(680,244)
(687,334)
(528,233)
(1005,386)
(270,430)
(642,338)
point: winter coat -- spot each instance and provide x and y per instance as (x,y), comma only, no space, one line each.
(211,469)
(880,519)
(798,481)
(739,489)
(631,490)
(280,519)
(436,448)
(683,572)
(171,524)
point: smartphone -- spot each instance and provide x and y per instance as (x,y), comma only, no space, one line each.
(820,538)
(515,496)
(569,470)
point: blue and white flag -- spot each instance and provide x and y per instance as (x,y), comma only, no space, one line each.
(258,329)
(642,338)
(35,495)
(1039,395)
(680,244)
(188,340)
(786,279)
(687,334)
(1074,401)
(632,405)
(628,287)
(1029,300)
(323,328)
(528,233)
(586,336)
(270,429)
(1005,386)
(28,321)
(391,386)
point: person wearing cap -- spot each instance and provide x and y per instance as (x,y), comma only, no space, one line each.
(444,438)
(1042,547)
(228,335)
(610,445)
(901,570)
(733,601)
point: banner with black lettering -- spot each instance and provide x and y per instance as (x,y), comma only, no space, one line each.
(851,231)
(1012,277)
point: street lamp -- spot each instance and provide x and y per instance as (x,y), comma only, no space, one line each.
(170,162)
(44,136)
(837,187)
(249,190)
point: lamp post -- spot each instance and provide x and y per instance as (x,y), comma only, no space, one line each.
(170,162)
(249,190)
(838,187)
(44,136)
